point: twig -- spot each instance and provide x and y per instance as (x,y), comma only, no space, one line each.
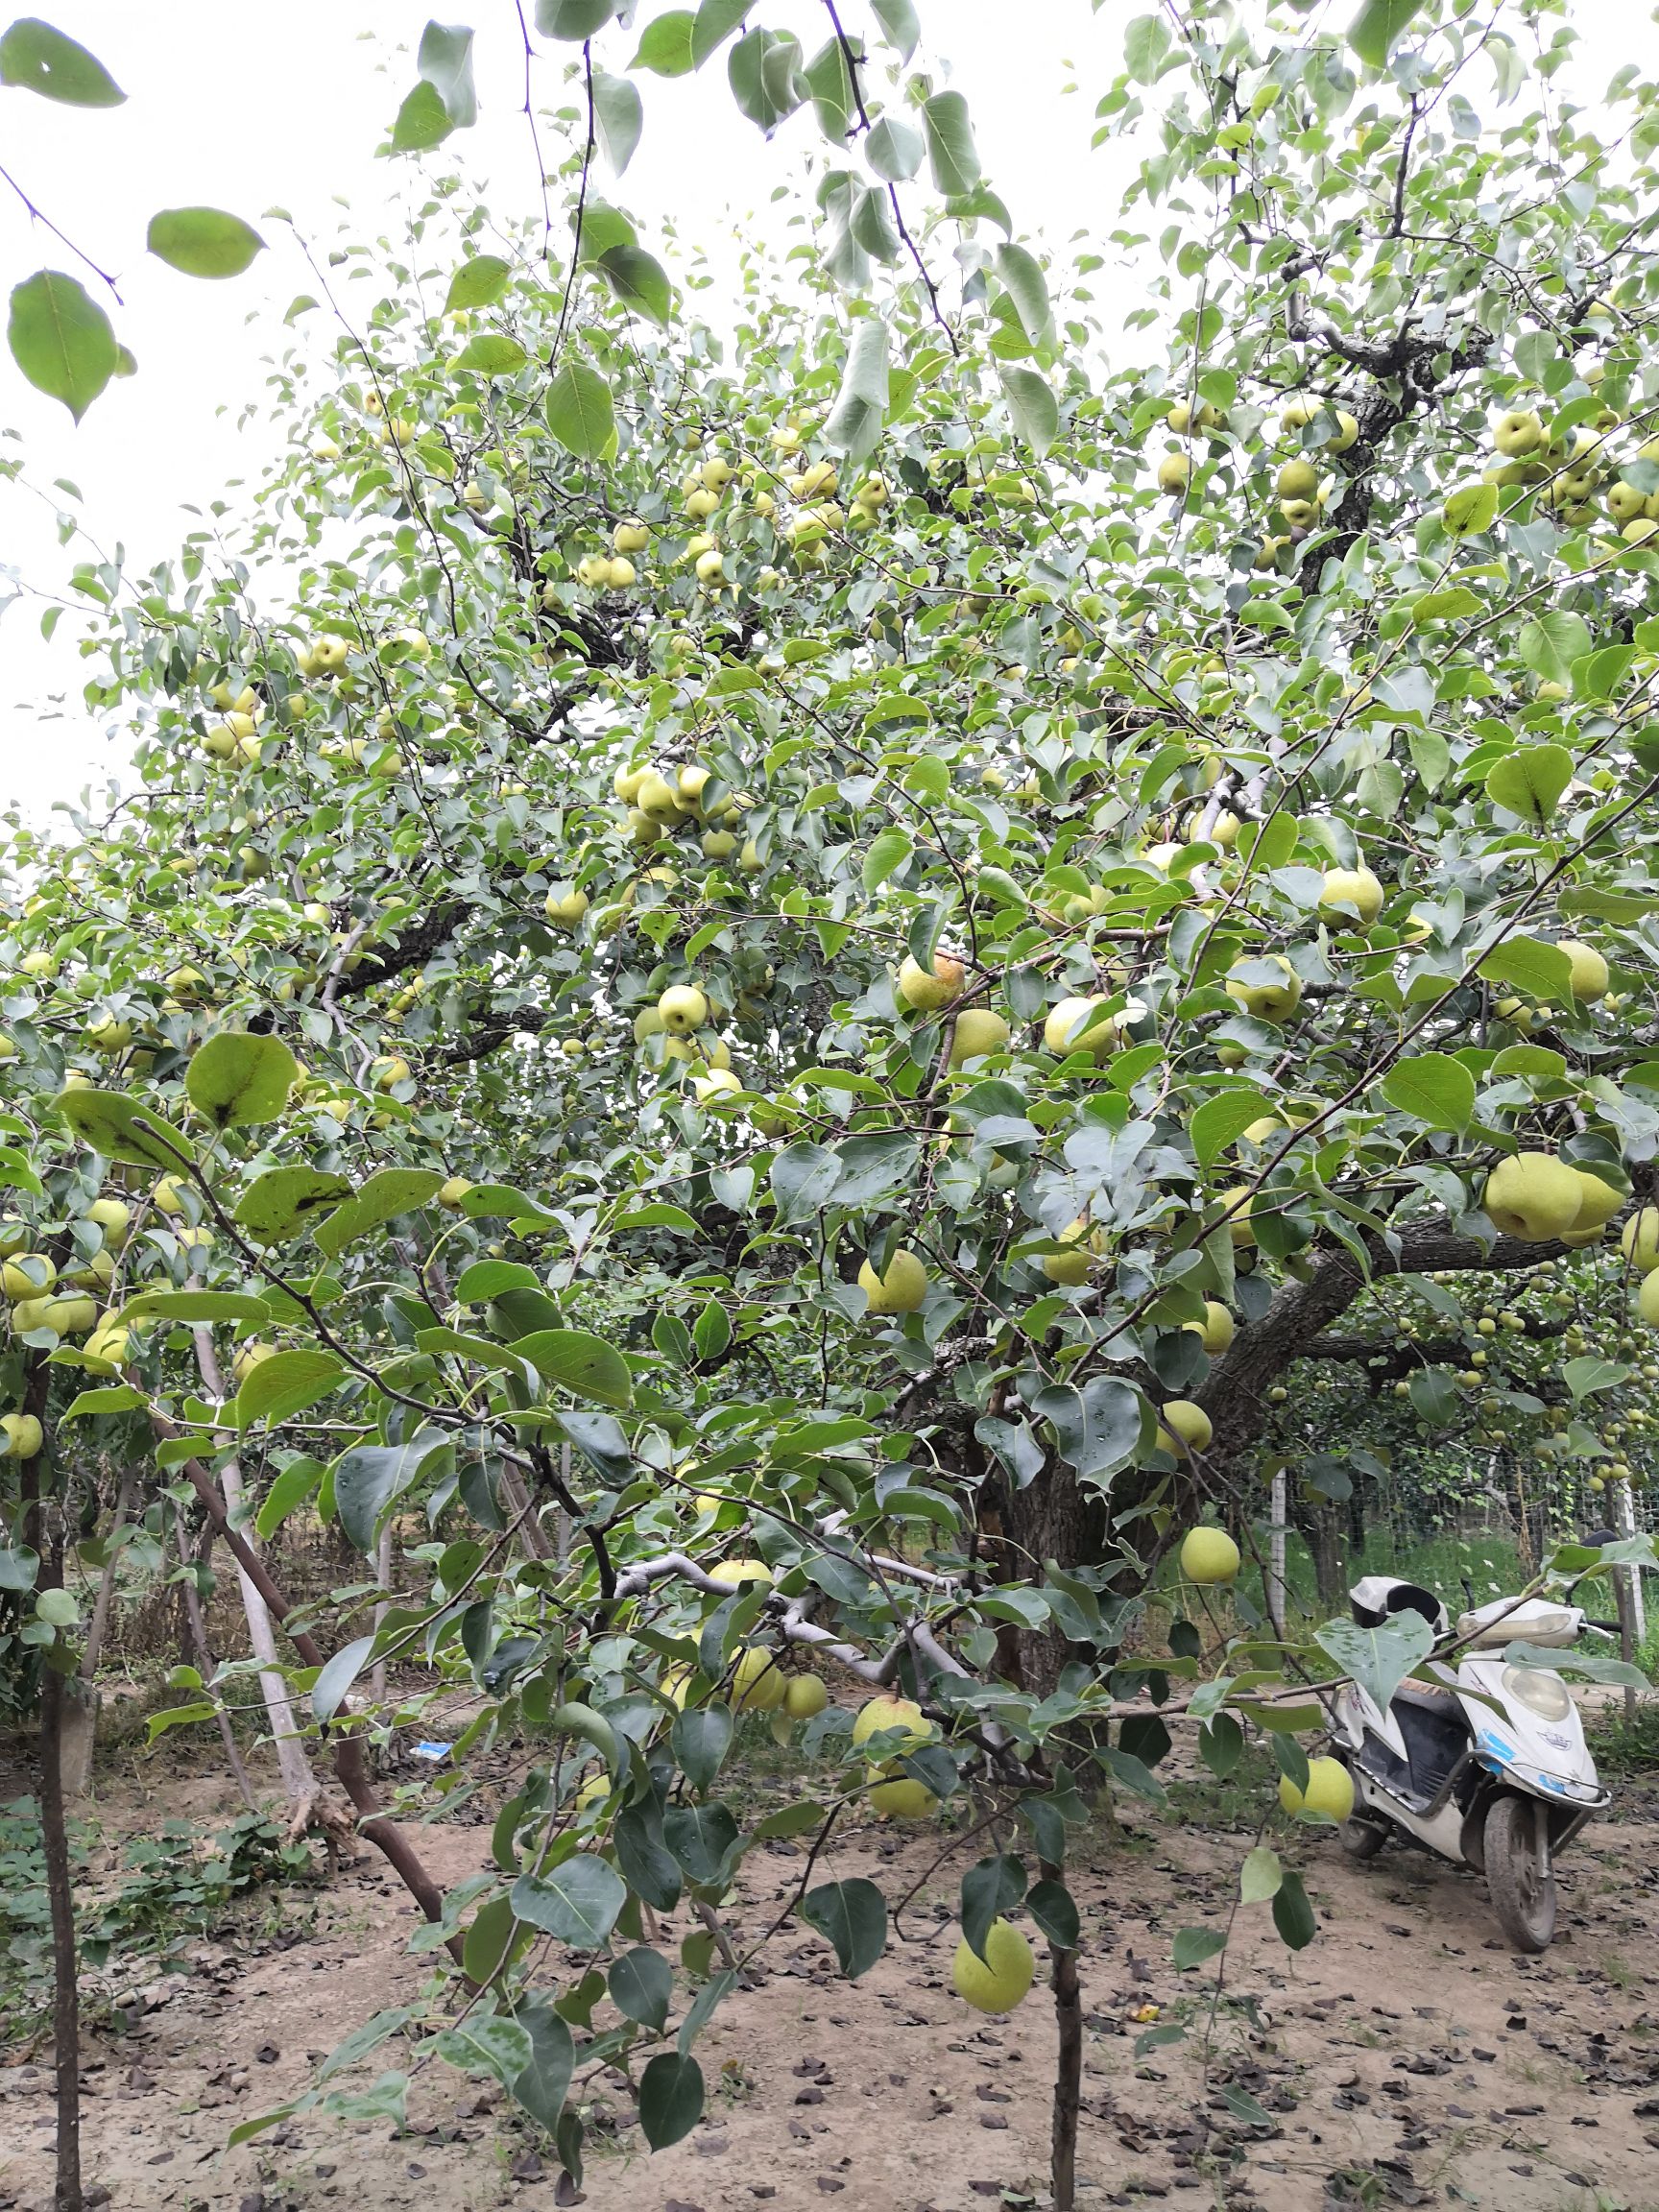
(37,215)
(850,56)
(581,204)
(536,138)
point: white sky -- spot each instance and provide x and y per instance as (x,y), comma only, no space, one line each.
(249,108)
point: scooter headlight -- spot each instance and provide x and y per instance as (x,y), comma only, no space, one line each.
(1545,1695)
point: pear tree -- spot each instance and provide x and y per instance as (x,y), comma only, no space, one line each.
(769,984)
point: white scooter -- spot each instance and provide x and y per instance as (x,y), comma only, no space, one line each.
(1501,1780)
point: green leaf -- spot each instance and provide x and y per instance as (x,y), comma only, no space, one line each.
(502,1200)
(423,122)
(203,241)
(1432,1089)
(18,1567)
(39,59)
(1378,1659)
(370,1477)
(1542,971)
(487,2043)
(575,1902)
(651,1872)
(700,1739)
(124,1128)
(541,2086)
(573,20)
(329,1691)
(668,44)
(1293,1915)
(115,1398)
(1260,1876)
(1471,509)
(388,1192)
(1032,405)
(991,1888)
(795,1819)
(282,1201)
(61,339)
(477,283)
(670,2098)
(1584,1377)
(703,1839)
(1052,1907)
(1193,1946)
(716,20)
(1098,1426)
(894,149)
(1147,43)
(1434,1398)
(860,409)
(579,413)
(764,74)
(444,61)
(832,85)
(641,1985)
(897,20)
(890,849)
(573,1361)
(177,1717)
(619,118)
(285,1383)
(852,1915)
(1592,1666)
(1223,1118)
(290,1490)
(1376,31)
(489,1940)
(803,1177)
(235,1079)
(356,2047)
(952,154)
(638,281)
(1021,277)
(492,353)
(196,1305)
(1550,644)
(486,1278)
(1531,782)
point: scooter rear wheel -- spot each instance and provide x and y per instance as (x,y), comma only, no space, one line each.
(1523,1894)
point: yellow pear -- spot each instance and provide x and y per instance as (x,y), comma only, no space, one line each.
(1330,1791)
(1208,1555)
(901,1289)
(1183,1428)
(1002,1978)
(978,1032)
(928,991)
(1533,1197)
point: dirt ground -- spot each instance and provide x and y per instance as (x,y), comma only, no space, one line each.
(1406,2057)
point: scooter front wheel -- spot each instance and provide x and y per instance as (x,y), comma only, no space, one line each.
(1522,1888)
(1360,1838)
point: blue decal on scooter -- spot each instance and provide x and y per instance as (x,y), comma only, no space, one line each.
(1496,1746)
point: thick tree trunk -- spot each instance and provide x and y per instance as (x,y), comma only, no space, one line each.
(1235,1392)
(1324,1539)
(1052,1518)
